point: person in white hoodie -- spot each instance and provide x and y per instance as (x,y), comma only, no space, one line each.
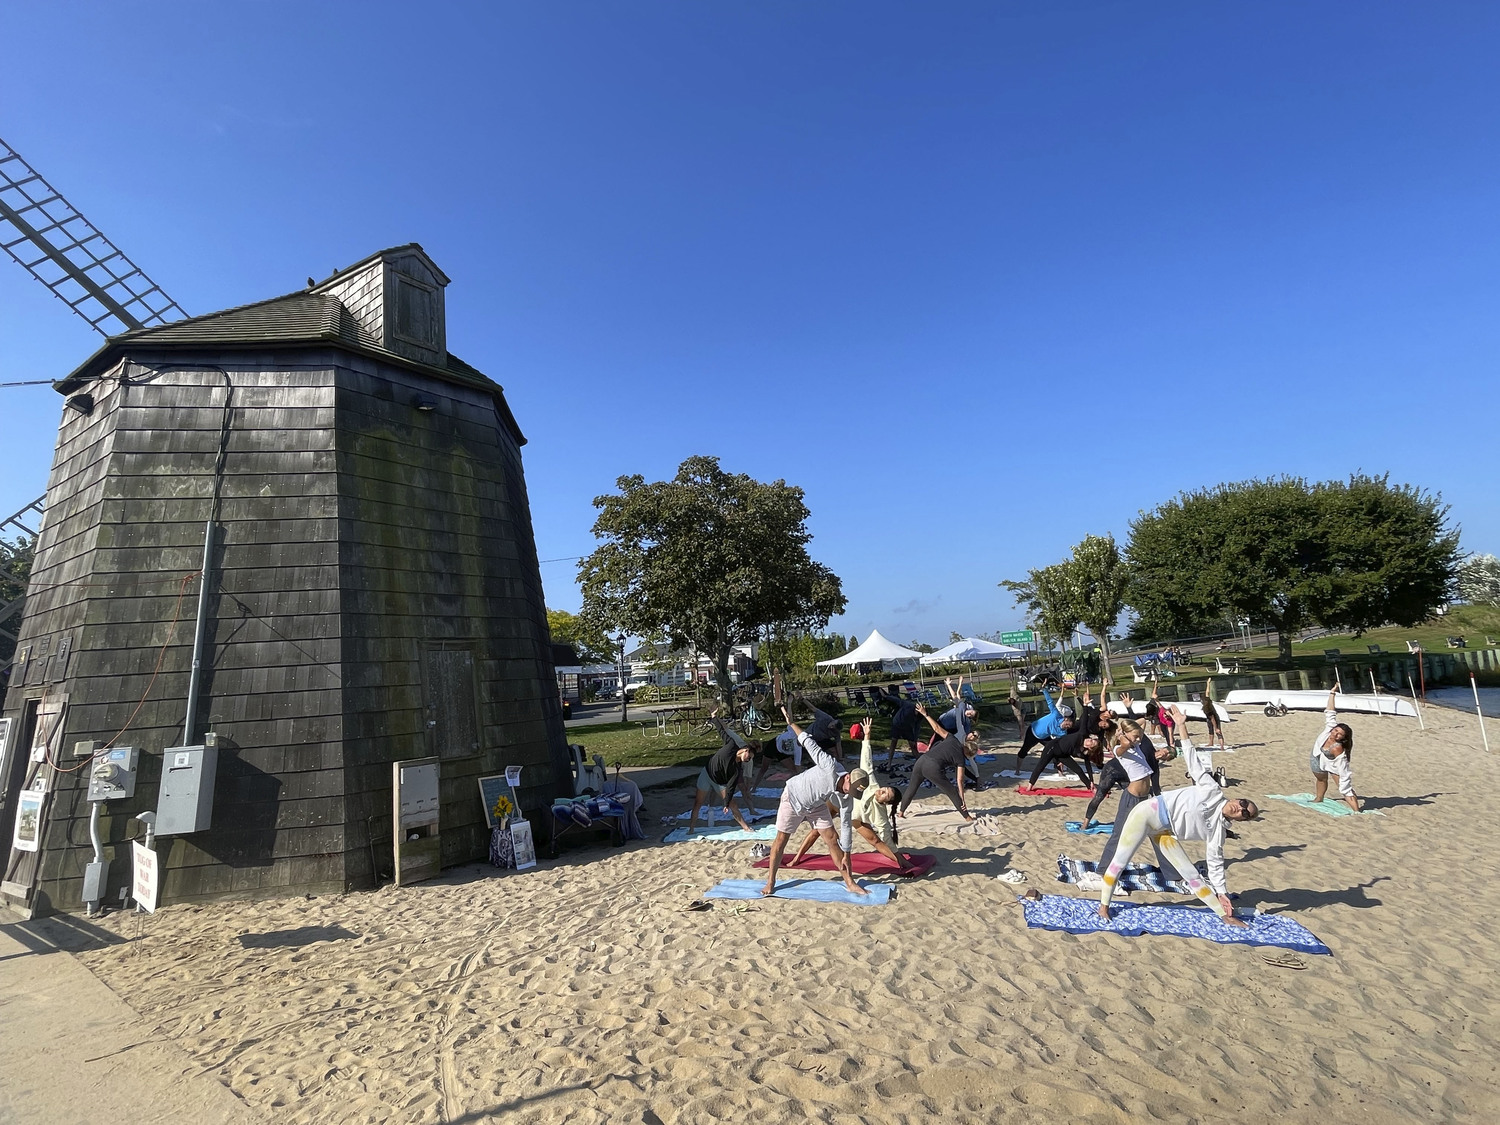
(1194,812)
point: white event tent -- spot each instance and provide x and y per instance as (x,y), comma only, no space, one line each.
(972,650)
(876,650)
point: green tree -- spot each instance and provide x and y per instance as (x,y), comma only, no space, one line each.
(16,558)
(1099,579)
(1344,555)
(593,644)
(1049,594)
(708,559)
(1479,580)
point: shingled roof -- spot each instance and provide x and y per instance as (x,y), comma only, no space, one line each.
(300,319)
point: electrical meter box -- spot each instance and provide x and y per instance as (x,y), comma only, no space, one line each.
(186,800)
(112,774)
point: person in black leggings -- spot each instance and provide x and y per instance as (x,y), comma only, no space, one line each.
(1063,749)
(953,752)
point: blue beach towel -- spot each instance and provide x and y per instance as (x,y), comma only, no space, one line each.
(810,890)
(773,794)
(722,832)
(1080,916)
(1333,807)
(1097,830)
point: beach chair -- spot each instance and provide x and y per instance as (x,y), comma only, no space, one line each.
(1412,648)
(1226,668)
(909,690)
(855,696)
(971,695)
(1375,650)
(1332,655)
(1457,642)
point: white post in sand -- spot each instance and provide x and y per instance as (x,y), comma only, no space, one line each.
(1479,712)
(1414,702)
(1376,690)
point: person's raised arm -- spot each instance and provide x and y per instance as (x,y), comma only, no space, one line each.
(937,727)
(1197,768)
(1332,699)
(1047,695)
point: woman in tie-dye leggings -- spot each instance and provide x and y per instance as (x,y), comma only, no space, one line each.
(1194,812)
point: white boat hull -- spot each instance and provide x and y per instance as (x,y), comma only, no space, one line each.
(1318,700)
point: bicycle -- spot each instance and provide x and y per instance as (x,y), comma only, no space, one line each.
(752,719)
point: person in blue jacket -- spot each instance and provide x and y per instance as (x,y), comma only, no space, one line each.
(1057,722)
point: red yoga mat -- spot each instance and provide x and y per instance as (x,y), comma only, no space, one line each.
(864,863)
(1027,791)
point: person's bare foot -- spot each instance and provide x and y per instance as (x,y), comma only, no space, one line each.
(1233,921)
(855,888)
(1104,912)
(768,890)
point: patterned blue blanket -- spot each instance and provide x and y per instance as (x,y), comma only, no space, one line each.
(1080,916)
(1135,877)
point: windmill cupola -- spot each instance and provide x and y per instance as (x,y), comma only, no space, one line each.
(395,299)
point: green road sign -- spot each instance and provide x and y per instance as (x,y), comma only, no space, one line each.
(1022,637)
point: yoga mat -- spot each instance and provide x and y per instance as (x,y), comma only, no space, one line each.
(808,890)
(1331,807)
(759,814)
(1080,916)
(1025,792)
(864,863)
(721,832)
(1022,775)
(1097,830)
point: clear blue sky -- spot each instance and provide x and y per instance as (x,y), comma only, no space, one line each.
(941,265)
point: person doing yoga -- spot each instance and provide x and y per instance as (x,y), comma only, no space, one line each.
(1067,749)
(872,817)
(1141,763)
(1195,812)
(1054,724)
(725,770)
(953,752)
(812,797)
(1330,755)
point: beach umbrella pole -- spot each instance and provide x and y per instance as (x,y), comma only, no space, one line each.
(1480,712)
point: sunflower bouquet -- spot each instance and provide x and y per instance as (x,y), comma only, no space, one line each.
(502,810)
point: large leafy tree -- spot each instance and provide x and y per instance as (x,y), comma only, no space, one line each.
(1049,595)
(1098,579)
(708,558)
(1344,554)
(16,557)
(592,643)
(1479,580)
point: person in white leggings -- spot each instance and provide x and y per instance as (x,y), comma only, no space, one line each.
(1195,812)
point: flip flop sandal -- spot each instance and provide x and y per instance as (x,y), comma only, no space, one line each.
(699,904)
(1283,960)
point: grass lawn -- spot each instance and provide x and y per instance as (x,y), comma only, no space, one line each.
(624,743)
(1473,623)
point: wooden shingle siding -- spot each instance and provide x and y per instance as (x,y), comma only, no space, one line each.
(362,544)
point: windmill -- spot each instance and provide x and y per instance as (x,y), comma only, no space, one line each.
(51,240)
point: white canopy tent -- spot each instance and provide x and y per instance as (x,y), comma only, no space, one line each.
(876,650)
(972,650)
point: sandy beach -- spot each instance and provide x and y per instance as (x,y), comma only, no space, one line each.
(582,992)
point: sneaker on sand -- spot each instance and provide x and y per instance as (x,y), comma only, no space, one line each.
(1011,877)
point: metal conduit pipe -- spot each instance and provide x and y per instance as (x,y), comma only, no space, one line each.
(191,719)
